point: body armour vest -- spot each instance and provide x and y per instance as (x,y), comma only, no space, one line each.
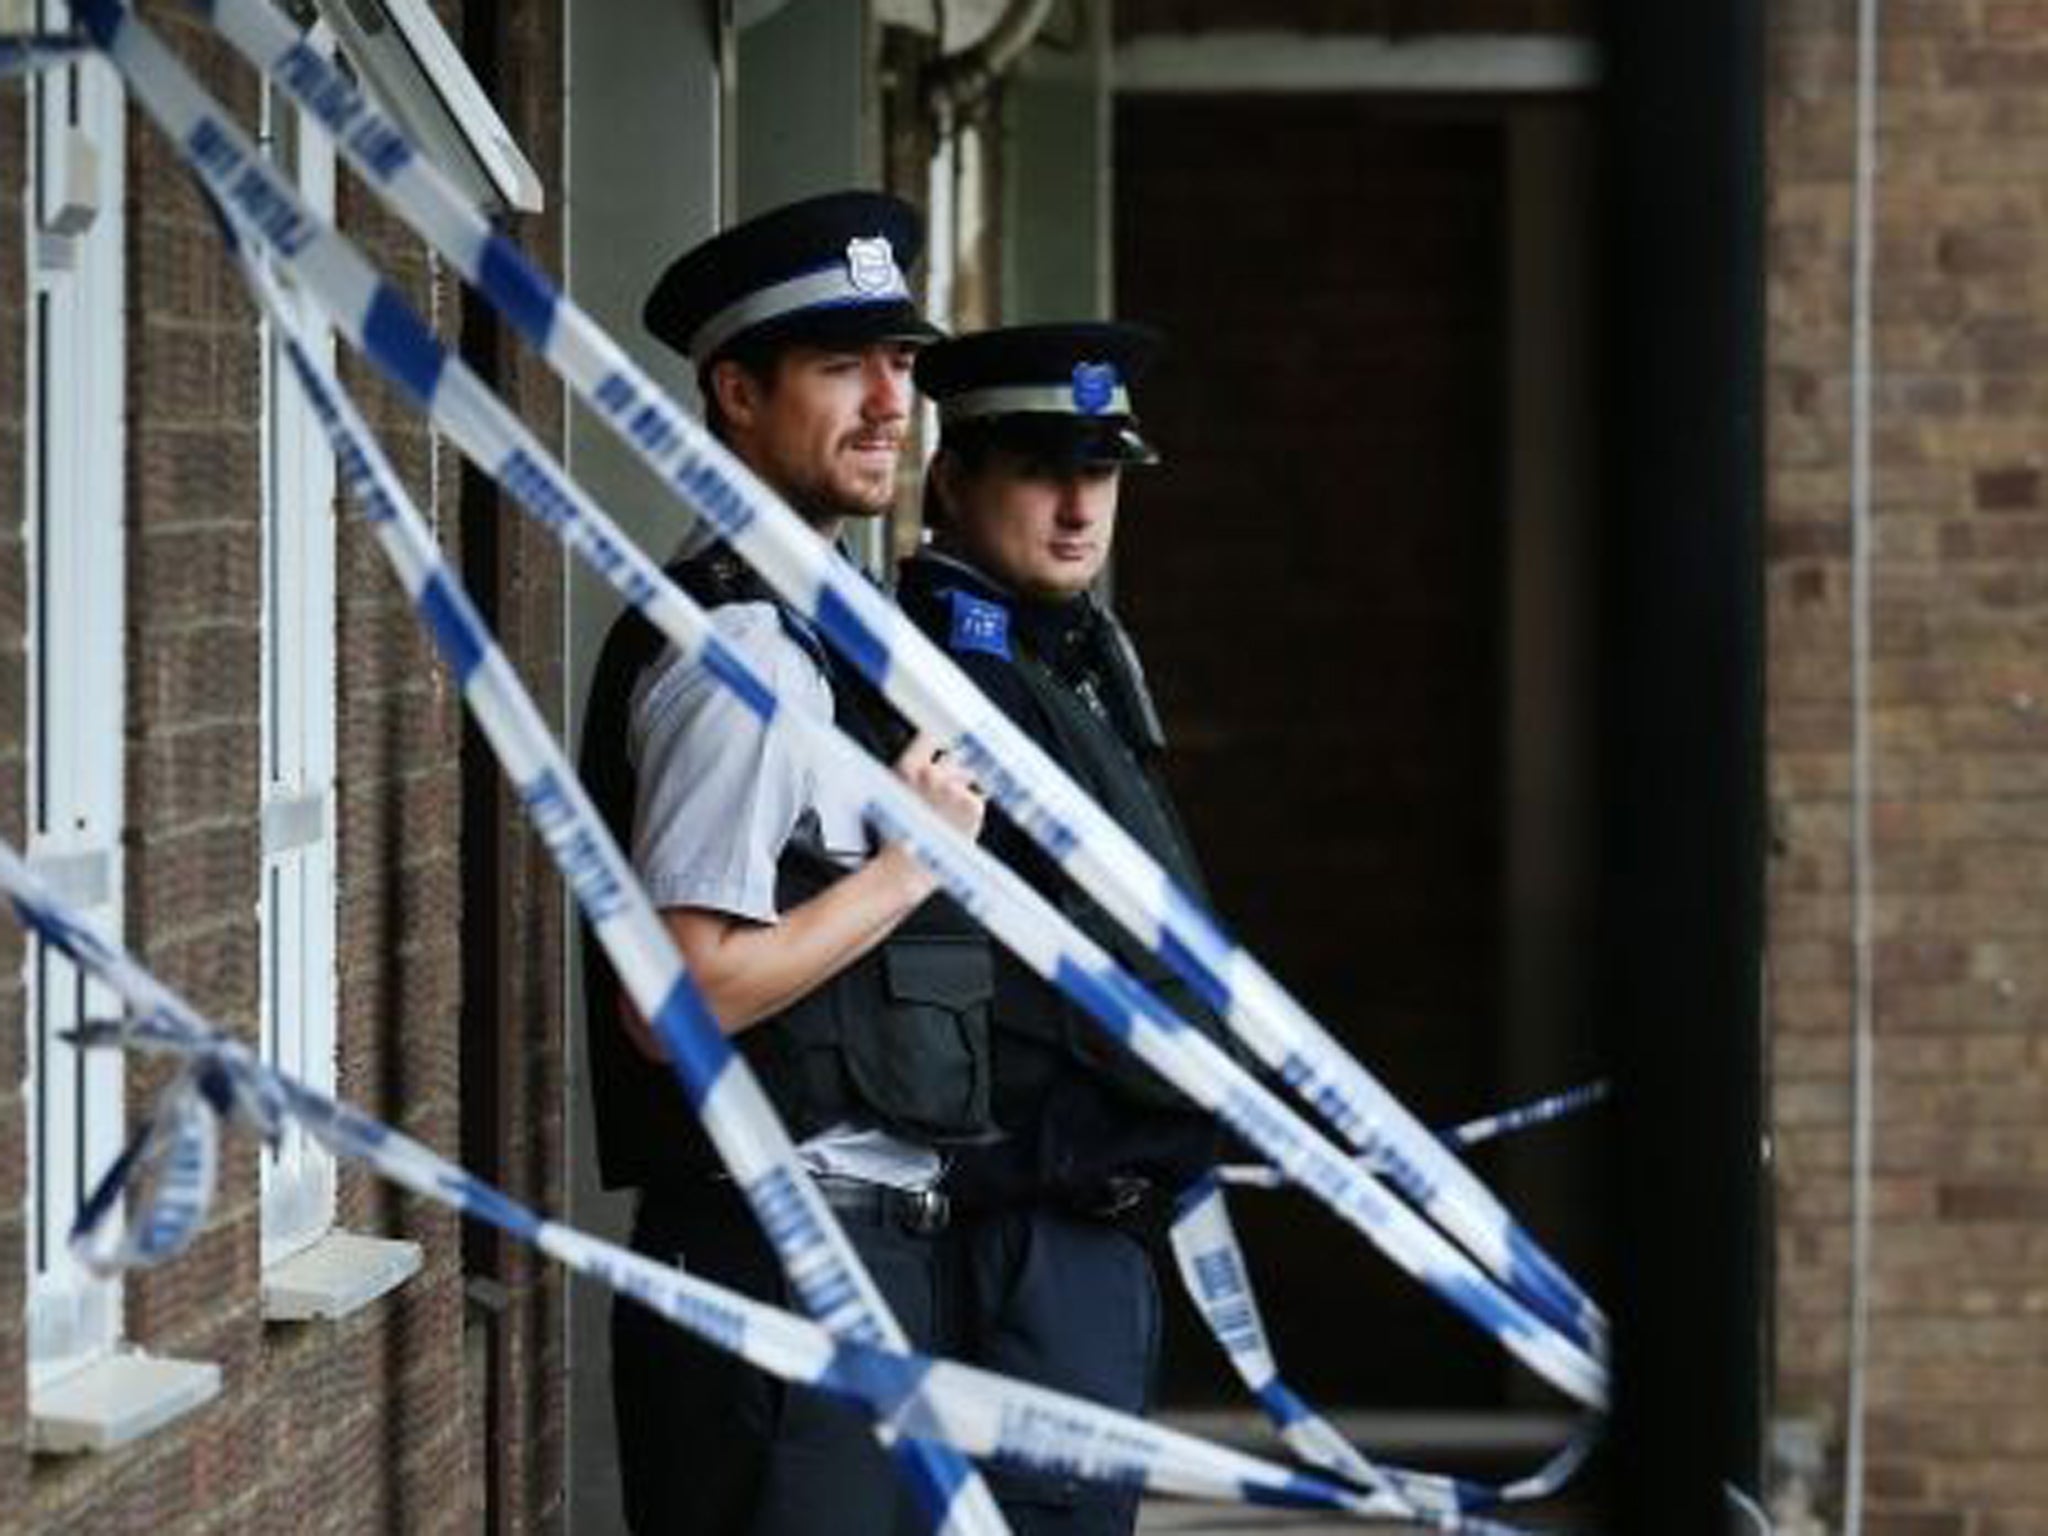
(898,1040)
(1070,679)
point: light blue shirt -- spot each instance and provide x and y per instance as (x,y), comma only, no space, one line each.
(719,794)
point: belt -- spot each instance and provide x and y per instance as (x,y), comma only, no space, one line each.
(922,1212)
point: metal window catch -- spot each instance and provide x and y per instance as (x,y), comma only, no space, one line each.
(77,202)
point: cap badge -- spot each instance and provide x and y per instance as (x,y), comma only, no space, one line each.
(871,264)
(1094,387)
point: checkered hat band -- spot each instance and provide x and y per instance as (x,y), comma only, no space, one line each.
(830,287)
(1011,399)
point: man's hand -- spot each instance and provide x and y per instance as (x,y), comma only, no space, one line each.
(942,784)
(749,971)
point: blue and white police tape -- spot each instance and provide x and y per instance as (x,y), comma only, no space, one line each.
(1213,1270)
(821,1263)
(918,1397)
(259,203)
(919,679)
(481,426)
(1471,1133)
(172,1162)
(1523,1117)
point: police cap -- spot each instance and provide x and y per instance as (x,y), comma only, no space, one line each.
(1055,391)
(826,271)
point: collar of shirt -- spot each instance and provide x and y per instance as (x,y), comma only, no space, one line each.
(735,581)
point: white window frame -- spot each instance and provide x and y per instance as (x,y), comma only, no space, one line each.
(297,904)
(75,548)
(408,62)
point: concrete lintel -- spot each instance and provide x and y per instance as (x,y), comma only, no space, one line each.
(1295,62)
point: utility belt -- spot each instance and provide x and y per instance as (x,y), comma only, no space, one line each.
(856,1202)
(1120,1200)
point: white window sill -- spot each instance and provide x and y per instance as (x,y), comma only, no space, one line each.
(341,1273)
(116,1400)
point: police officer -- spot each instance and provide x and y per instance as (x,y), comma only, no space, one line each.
(1052,1221)
(859,999)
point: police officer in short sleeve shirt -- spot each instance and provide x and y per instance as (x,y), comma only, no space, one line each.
(858,997)
(1052,1221)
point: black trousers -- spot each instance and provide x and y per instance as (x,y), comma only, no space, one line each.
(1067,1303)
(711,1446)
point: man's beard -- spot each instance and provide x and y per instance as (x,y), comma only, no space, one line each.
(821,502)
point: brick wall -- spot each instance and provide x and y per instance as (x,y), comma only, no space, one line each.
(516,1023)
(373,1424)
(1958,1434)
(1958,1425)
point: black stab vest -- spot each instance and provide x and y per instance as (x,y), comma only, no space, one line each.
(1080,1112)
(898,1040)
(1096,753)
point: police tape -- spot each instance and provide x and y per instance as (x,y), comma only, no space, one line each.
(1523,1117)
(376,319)
(919,1398)
(1033,928)
(493,694)
(1219,1283)
(287,232)
(1048,943)
(418,560)
(814,1251)
(343,449)
(172,1163)
(919,679)
(1470,1133)
(1217,1280)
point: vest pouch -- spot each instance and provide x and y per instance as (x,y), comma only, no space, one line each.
(925,1069)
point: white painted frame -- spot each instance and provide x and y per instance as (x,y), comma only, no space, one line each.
(404,56)
(1300,62)
(297,1006)
(75,548)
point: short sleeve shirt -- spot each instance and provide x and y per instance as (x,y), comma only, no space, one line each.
(719,793)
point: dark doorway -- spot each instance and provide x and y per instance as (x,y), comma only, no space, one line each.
(1319,580)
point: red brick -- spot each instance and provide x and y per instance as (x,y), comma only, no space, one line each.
(2009,488)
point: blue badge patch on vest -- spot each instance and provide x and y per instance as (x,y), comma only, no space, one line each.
(979,625)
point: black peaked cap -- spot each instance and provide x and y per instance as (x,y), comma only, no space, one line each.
(1061,391)
(837,240)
